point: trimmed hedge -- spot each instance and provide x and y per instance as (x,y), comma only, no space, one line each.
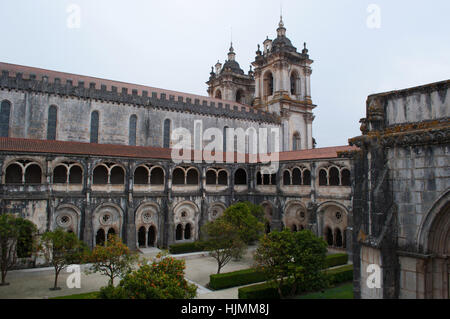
(269,291)
(250,276)
(336,260)
(235,278)
(185,248)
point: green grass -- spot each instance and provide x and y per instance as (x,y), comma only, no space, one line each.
(88,295)
(344,291)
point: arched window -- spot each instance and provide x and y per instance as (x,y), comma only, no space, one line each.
(75,175)
(157,176)
(323,180)
(223,178)
(192,177)
(258,178)
(151,238)
(296,142)
(240,177)
(334,176)
(132,130)
(239,96)
(33,174)
(296,176)
(111,232)
(141,236)
(13,174)
(117,176)
(218,94)
(100,175)
(329,236)
(267,227)
(4,118)
(166,136)
(294,78)
(94,127)
(60,175)
(141,176)
(345,175)
(338,238)
(51,124)
(286,178)
(211,177)
(178,177)
(306,177)
(187,232)
(179,232)
(100,237)
(268,84)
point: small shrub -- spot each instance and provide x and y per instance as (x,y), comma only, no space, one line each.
(185,248)
(236,278)
(336,260)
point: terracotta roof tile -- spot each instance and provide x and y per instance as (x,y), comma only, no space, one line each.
(21,145)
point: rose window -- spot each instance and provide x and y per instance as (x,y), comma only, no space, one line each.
(147,217)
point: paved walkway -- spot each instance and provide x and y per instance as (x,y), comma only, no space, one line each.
(35,283)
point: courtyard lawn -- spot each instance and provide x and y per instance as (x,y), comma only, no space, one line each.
(88,295)
(344,291)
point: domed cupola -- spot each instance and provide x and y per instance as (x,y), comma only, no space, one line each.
(231,64)
(282,42)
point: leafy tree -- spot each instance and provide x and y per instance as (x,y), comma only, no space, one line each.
(61,249)
(242,216)
(163,279)
(15,233)
(292,260)
(114,259)
(223,242)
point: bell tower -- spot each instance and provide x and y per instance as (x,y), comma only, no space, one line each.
(229,82)
(282,86)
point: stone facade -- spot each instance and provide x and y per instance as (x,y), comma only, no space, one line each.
(402,184)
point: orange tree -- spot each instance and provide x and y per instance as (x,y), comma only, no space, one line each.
(292,260)
(16,240)
(114,259)
(162,279)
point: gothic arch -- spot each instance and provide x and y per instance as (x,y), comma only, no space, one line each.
(105,217)
(67,217)
(295,214)
(333,217)
(184,213)
(147,217)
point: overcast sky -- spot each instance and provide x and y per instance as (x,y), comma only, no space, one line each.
(172,44)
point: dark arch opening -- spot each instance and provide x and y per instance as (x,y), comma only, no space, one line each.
(338,237)
(100,237)
(33,174)
(286,178)
(132,130)
(187,231)
(296,176)
(75,175)
(268,84)
(117,176)
(267,227)
(111,232)
(323,178)
(223,178)
(100,175)
(345,174)
(60,175)
(329,236)
(334,176)
(192,177)
(166,134)
(211,177)
(294,228)
(258,178)
(178,177)
(306,177)
(239,96)
(13,174)
(240,177)
(141,176)
(151,236)
(94,127)
(218,94)
(157,176)
(179,232)
(141,236)
(293,83)
(273,179)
